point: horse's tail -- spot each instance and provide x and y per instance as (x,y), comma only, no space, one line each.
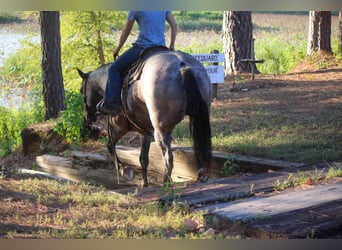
(199,123)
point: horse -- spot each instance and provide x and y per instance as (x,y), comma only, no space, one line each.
(169,85)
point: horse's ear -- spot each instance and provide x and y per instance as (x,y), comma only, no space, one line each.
(82,74)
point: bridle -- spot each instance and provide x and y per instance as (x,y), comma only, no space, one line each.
(88,119)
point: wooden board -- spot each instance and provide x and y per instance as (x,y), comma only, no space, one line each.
(98,169)
(286,215)
(196,194)
(100,173)
(237,187)
(185,167)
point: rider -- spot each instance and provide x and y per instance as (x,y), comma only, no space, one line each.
(151,33)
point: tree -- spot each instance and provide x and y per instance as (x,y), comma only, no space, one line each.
(340,33)
(88,41)
(53,88)
(237,41)
(319,38)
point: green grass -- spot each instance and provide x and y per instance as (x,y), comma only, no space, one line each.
(72,211)
(12,122)
(198,20)
(335,170)
(309,178)
(279,61)
(262,131)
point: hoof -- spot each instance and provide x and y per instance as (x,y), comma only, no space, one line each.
(127,173)
(203,175)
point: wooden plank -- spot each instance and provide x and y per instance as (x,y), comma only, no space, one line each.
(184,169)
(320,221)
(270,216)
(67,168)
(198,195)
(232,188)
(97,168)
(185,166)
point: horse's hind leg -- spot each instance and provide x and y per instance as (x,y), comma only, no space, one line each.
(144,151)
(164,141)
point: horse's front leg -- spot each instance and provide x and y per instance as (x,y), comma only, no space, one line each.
(112,150)
(144,160)
(117,127)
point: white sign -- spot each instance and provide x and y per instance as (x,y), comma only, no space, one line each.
(215,72)
(209,58)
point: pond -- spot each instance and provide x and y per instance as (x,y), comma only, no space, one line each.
(10,42)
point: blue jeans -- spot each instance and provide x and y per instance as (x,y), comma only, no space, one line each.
(112,94)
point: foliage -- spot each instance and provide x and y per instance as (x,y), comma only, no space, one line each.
(69,124)
(280,56)
(23,68)
(87,38)
(302,178)
(230,166)
(335,170)
(12,122)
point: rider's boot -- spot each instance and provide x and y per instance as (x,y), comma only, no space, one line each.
(113,109)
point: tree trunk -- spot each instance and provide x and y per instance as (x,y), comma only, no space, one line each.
(99,43)
(340,33)
(319,38)
(237,41)
(53,88)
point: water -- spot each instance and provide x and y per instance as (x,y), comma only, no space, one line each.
(9,44)
(13,99)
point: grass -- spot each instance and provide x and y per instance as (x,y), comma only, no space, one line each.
(335,170)
(267,132)
(65,210)
(308,178)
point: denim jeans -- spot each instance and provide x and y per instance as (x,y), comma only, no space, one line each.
(112,94)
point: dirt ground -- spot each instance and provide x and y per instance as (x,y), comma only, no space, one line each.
(306,87)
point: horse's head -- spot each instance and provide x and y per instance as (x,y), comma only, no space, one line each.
(90,99)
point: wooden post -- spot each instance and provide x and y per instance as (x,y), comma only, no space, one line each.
(253,58)
(214,85)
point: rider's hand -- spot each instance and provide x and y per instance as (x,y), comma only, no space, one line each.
(116,52)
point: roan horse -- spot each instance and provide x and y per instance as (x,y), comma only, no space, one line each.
(171,84)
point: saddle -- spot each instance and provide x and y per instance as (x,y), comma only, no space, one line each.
(132,74)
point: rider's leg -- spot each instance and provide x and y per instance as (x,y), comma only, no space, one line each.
(112,96)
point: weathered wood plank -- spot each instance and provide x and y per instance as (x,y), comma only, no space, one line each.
(196,194)
(184,170)
(237,187)
(90,166)
(87,166)
(185,163)
(92,173)
(276,215)
(320,221)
